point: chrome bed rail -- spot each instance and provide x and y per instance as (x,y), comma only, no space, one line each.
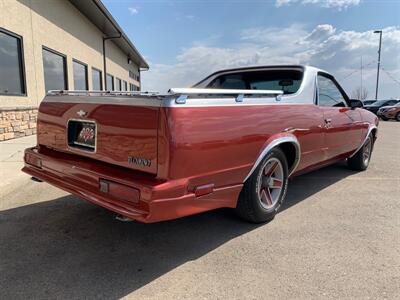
(180,95)
(99,93)
(184,93)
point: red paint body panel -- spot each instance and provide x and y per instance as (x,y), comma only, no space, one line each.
(122,131)
(188,147)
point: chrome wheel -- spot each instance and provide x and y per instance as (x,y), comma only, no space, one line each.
(270,183)
(367,151)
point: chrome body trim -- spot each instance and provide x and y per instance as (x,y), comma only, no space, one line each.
(148,100)
(371,127)
(273,144)
(99,93)
(194,91)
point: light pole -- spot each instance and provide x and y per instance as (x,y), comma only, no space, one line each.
(379,62)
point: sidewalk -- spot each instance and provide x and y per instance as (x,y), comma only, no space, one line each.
(11,159)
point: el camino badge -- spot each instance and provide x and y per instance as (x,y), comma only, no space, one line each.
(139,161)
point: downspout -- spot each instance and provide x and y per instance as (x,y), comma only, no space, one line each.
(104,56)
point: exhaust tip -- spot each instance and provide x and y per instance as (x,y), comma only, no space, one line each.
(36,179)
(122,218)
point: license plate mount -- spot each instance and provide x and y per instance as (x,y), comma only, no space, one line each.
(82,135)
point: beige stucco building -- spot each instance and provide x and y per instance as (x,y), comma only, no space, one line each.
(59,44)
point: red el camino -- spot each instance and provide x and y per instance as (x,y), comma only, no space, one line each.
(232,140)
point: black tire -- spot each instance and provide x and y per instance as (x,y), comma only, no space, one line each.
(250,205)
(397,117)
(384,118)
(359,161)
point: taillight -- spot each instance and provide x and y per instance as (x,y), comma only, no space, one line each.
(33,160)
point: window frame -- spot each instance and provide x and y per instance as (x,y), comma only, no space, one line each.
(341,90)
(112,81)
(119,86)
(101,78)
(21,57)
(86,72)
(65,63)
(125,86)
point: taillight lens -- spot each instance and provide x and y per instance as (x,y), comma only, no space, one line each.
(33,160)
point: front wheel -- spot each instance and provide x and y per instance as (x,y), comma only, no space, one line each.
(398,117)
(360,160)
(263,193)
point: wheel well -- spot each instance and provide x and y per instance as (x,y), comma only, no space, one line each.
(289,149)
(373,131)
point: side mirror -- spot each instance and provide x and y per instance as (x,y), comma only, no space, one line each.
(355,103)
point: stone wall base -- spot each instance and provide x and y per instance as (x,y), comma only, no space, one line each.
(17,122)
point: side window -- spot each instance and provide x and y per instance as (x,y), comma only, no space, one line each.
(329,94)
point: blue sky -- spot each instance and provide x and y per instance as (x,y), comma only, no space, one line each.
(185,40)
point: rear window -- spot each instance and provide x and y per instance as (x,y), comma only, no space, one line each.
(288,81)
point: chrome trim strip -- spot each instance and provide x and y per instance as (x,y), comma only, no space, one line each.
(371,127)
(194,91)
(153,101)
(100,93)
(272,145)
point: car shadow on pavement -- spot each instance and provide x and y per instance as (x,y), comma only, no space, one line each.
(301,187)
(67,248)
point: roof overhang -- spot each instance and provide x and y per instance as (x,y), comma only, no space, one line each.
(98,14)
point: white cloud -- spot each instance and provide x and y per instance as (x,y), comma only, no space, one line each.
(133,10)
(337,51)
(339,4)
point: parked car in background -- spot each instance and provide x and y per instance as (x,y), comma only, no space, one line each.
(368,102)
(390,112)
(232,140)
(374,107)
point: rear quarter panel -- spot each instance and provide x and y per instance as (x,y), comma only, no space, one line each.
(220,144)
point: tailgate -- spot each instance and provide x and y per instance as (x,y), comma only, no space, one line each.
(117,130)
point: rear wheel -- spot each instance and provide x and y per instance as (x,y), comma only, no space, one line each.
(360,160)
(398,117)
(263,193)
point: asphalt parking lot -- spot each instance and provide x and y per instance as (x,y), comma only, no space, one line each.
(338,236)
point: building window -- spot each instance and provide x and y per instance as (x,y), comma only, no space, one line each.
(80,76)
(119,84)
(55,70)
(12,75)
(110,82)
(131,74)
(97,83)
(131,87)
(125,86)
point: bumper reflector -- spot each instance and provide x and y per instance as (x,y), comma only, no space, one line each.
(119,191)
(204,189)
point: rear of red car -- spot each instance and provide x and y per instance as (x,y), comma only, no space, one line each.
(114,151)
